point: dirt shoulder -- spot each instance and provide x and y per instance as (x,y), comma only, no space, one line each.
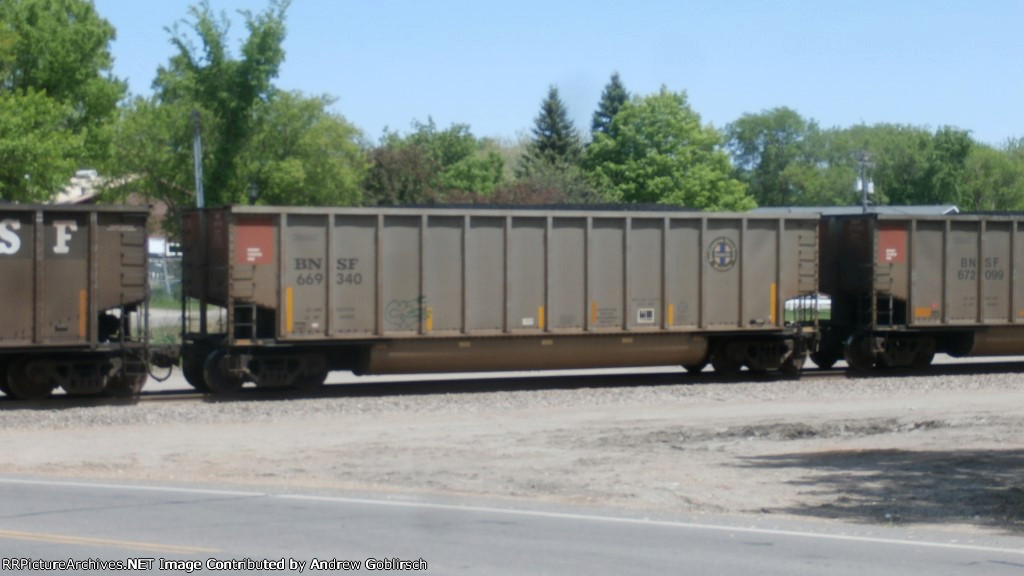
(923,451)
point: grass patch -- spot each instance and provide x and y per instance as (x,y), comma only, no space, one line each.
(164,335)
(164,301)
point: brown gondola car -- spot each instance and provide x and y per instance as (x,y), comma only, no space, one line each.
(285,295)
(906,287)
(73,280)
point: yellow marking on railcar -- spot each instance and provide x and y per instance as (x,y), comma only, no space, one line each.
(593,312)
(775,303)
(540,317)
(429,321)
(671,314)
(923,312)
(289,309)
(104,542)
(83,314)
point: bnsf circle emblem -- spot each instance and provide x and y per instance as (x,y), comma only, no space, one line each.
(722,254)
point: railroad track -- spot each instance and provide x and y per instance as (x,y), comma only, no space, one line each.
(538,381)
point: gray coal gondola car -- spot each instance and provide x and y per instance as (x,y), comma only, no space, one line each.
(73,279)
(905,287)
(299,292)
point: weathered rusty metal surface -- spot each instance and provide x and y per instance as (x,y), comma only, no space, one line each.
(63,267)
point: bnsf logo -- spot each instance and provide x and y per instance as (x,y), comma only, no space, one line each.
(10,242)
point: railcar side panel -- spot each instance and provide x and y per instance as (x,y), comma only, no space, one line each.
(646,269)
(378,284)
(75,282)
(931,284)
(927,304)
(443,286)
(567,279)
(61,267)
(722,277)
(685,274)
(17,277)
(485,275)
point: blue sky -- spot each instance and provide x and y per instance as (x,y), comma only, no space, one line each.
(488,64)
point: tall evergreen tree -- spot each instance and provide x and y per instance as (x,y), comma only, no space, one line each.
(556,141)
(612,99)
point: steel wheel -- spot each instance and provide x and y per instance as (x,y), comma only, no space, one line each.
(3,380)
(923,358)
(126,386)
(215,371)
(192,370)
(695,368)
(724,365)
(823,360)
(310,382)
(27,380)
(792,365)
(859,355)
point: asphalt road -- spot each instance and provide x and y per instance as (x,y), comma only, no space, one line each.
(258,533)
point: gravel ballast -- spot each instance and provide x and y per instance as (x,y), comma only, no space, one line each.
(914,450)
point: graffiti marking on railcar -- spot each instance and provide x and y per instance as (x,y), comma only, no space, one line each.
(722,254)
(10,242)
(405,314)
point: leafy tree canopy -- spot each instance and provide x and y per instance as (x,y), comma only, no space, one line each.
(260,144)
(226,90)
(299,153)
(59,96)
(657,151)
(994,179)
(430,165)
(765,147)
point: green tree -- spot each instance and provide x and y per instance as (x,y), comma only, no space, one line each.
(59,97)
(556,141)
(914,166)
(226,90)
(300,153)
(656,150)
(38,152)
(994,179)
(430,165)
(285,148)
(612,99)
(62,48)
(770,153)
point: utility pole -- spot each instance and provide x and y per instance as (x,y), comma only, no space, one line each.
(197,159)
(864,186)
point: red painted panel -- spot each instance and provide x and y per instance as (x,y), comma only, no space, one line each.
(254,240)
(892,243)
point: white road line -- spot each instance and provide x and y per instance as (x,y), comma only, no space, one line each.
(135,487)
(533,514)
